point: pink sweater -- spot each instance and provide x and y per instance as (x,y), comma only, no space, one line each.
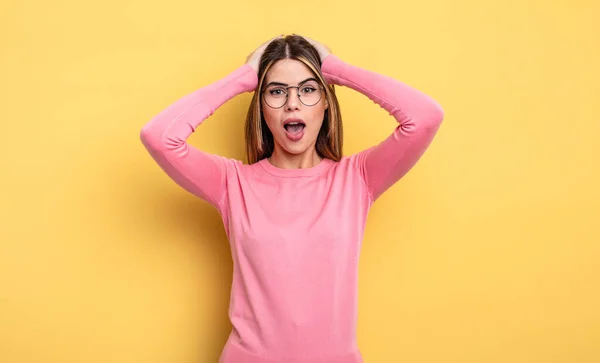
(295,234)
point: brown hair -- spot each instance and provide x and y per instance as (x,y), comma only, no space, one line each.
(259,139)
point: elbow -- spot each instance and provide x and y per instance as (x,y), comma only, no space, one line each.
(145,135)
(156,141)
(150,138)
(434,116)
(426,122)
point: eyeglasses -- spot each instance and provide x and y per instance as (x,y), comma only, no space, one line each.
(309,93)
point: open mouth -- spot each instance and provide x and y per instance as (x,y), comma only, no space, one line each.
(294,127)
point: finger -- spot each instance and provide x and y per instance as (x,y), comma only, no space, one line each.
(265,44)
(307,38)
(318,43)
(277,37)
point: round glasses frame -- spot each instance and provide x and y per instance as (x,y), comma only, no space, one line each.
(287,94)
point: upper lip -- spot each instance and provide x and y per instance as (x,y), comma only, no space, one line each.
(293,119)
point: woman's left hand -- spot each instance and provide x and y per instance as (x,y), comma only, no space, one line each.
(323,50)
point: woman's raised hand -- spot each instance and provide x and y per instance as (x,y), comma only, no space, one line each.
(323,50)
(254,58)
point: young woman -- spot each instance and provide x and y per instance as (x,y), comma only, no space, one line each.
(295,213)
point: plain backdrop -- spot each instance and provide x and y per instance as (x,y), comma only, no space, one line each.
(488,251)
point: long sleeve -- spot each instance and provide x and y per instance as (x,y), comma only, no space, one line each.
(165,135)
(418,116)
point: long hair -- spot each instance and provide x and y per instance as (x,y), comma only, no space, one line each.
(259,139)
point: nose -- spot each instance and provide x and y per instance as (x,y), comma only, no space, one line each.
(293,101)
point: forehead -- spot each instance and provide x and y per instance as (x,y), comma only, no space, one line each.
(290,71)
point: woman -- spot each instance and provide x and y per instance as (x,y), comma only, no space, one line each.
(295,213)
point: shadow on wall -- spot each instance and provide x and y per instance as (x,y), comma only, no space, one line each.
(173,215)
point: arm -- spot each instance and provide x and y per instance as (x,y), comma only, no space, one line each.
(418,117)
(164,136)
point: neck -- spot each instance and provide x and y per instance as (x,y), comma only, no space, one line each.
(284,160)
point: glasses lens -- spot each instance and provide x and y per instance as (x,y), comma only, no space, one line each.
(275,96)
(310,93)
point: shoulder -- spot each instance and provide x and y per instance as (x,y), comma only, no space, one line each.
(349,167)
(354,162)
(238,169)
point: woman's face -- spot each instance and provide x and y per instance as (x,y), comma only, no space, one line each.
(301,135)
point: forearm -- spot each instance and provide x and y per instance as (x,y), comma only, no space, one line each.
(165,136)
(173,125)
(417,114)
(400,100)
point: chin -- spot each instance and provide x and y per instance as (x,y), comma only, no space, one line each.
(294,147)
(295,150)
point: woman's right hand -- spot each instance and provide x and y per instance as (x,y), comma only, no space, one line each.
(253,58)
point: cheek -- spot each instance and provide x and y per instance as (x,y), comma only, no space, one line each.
(317,114)
(271,116)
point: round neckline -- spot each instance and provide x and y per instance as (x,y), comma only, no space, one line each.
(298,172)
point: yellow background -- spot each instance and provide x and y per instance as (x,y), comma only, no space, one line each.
(487,251)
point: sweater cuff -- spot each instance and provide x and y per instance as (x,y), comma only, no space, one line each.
(332,68)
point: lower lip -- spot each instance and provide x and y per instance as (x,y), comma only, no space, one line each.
(294,137)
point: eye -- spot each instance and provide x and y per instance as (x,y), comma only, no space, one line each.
(308,89)
(276,91)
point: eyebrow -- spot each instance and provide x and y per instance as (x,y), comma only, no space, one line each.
(285,84)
